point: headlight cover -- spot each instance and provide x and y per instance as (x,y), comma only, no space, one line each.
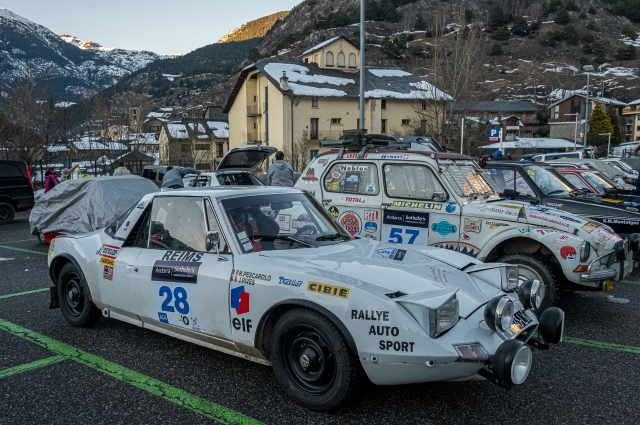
(498,314)
(585,251)
(511,278)
(502,276)
(436,321)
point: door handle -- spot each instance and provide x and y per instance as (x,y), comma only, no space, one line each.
(135,269)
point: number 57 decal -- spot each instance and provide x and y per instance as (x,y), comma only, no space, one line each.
(395,235)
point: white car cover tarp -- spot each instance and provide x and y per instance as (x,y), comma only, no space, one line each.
(83,205)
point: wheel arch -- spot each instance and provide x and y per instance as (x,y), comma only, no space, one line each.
(8,200)
(269,318)
(528,246)
(58,263)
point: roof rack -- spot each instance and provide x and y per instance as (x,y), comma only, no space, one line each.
(361,141)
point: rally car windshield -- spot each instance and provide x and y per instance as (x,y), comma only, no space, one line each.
(281,222)
(465,178)
(548,181)
(598,181)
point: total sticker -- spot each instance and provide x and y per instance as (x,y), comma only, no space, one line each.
(351,222)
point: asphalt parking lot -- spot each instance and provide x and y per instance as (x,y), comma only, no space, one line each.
(51,372)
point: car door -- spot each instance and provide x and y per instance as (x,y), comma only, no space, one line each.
(174,280)
(352,189)
(417,210)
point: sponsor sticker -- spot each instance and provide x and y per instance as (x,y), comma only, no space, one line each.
(392,253)
(107,273)
(472,225)
(591,226)
(334,211)
(562,237)
(353,155)
(495,209)
(568,252)
(404,218)
(418,205)
(554,205)
(541,233)
(353,199)
(249,278)
(289,282)
(370,188)
(141,205)
(325,289)
(450,208)
(239,300)
(496,224)
(107,261)
(109,251)
(335,175)
(284,221)
(523,230)
(370,227)
(175,271)
(550,219)
(371,215)
(52,246)
(444,228)
(323,161)
(351,222)
(394,156)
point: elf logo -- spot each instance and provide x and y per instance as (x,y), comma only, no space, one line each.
(240,300)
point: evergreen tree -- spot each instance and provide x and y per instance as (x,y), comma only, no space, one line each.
(599,122)
(570,35)
(591,26)
(421,24)
(571,6)
(626,53)
(497,17)
(520,26)
(616,135)
(562,17)
(583,15)
(496,50)
(592,10)
(502,34)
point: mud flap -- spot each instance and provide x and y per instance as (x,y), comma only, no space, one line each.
(53,292)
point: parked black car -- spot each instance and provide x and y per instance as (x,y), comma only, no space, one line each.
(16,189)
(540,184)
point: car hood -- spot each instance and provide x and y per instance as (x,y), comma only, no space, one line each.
(245,158)
(383,268)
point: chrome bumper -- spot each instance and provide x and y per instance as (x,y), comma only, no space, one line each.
(615,269)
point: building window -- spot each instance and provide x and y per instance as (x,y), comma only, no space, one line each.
(202,147)
(352,60)
(383,126)
(219,150)
(556,112)
(406,122)
(424,105)
(313,154)
(314,102)
(313,129)
(306,60)
(358,123)
(383,103)
(336,120)
(329,61)
(341,60)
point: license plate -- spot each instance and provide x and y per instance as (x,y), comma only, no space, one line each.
(520,321)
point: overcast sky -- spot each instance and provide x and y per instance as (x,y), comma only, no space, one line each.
(162,26)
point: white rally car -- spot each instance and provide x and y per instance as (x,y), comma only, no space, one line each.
(267,274)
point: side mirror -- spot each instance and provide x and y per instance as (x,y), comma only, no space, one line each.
(510,194)
(213,240)
(438,196)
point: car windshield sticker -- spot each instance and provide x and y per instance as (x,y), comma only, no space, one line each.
(335,175)
(354,167)
(310,176)
(284,221)
(370,188)
(351,222)
(444,228)
(247,246)
(175,271)
(324,289)
(239,300)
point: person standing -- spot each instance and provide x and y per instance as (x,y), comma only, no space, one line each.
(280,173)
(121,170)
(498,156)
(173,178)
(50,179)
(66,174)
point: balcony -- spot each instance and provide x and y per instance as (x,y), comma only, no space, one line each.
(254,138)
(321,135)
(254,111)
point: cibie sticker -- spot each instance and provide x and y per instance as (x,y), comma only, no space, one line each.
(351,222)
(331,290)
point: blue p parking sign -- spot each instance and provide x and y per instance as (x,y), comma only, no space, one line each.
(494,134)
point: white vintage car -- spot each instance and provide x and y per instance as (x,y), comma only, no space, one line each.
(268,275)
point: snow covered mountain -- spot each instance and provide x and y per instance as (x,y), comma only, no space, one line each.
(75,68)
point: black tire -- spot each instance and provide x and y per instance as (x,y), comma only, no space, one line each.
(41,239)
(534,267)
(332,373)
(7,213)
(75,299)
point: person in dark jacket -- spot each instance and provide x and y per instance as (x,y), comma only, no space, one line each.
(635,182)
(50,179)
(280,173)
(497,156)
(174,176)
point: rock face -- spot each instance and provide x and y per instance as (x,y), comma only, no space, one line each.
(253,29)
(74,68)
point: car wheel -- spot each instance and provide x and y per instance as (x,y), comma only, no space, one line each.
(533,267)
(41,239)
(75,299)
(7,213)
(312,361)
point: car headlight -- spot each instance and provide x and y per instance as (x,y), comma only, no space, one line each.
(622,249)
(502,276)
(510,282)
(436,321)
(585,251)
(531,293)
(498,314)
(512,362)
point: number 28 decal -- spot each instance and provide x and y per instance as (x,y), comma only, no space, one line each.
(395,235)
(180,295)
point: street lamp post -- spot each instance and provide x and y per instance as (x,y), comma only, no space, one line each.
(588,69)
(575,133)
(608,144)
(362,44)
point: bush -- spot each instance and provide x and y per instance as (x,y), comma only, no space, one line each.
(572,6)
(502,34)
(570,35)
(588,38)
(497,16)
(592,10)
(583,15)
(562,17)
(496,50)
(552,7)
(583,61)
(591,26)
(630,32)
(520,27)
(600,58)
(587,49)
(549,39)
(534,26)
(626,53)
(421,24)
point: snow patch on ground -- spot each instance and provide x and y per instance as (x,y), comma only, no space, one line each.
(389,73)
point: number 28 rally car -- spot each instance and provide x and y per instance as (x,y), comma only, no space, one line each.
(269,275)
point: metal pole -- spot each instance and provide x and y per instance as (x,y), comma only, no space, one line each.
(362,64)
(462,136)
(586,112)
(575,135)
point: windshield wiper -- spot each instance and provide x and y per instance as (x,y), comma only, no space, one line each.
(284,238)
(556,191)
(332,237)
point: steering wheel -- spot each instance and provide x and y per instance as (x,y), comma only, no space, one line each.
(313,229)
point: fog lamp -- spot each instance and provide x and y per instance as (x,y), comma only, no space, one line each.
(551,325)
(531,294)
(498,314)
(512,362)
